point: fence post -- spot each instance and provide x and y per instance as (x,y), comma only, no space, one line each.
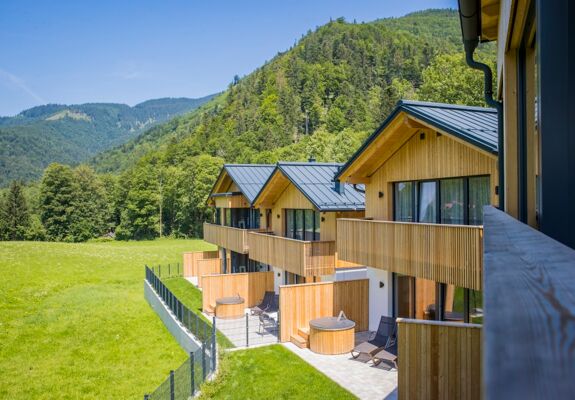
(169,271)
(203,361)
(247,331)
(172,390)
(146,397)
(192,374)
(214,343)
(197,326)
(205,332)
(159,271)
(182,312)
(278,326)
(179,269)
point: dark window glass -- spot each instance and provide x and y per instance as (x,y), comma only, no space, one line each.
(404,202)
(290,224)
(299,218)
(228,217)
(452,201)
(478,197)
(317,226)
(309,224)
(218,216)
(427,202)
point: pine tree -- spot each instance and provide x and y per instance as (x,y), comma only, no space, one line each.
(57,194)
(14,213)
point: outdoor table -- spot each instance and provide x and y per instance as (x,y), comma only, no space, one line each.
(331,335)
(230,307)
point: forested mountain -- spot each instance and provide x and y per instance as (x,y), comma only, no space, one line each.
(320,98)
(73,133)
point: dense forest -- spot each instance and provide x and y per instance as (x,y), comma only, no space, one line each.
(73,133)
(320,98)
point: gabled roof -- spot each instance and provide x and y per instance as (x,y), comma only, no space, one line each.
(475,125)
(249,178)
(315,181)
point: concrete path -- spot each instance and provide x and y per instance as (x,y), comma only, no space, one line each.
(362,379)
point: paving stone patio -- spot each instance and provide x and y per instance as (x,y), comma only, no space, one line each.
(359,377)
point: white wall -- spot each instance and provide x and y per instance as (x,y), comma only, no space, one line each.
(278,279)
(380,299)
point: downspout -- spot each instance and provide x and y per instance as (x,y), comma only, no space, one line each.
(470,46)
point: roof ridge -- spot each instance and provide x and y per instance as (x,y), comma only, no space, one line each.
(310,163)
(461,107)
(249,165)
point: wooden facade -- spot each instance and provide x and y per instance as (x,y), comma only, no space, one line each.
(449,254)
(301,303)
(304,258)
(234,239)
(439,360)
(251,286)
(207,267)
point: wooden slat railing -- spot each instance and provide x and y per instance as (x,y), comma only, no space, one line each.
(529,305)
(300,257)
(449,254)
(234,239)
(439,360)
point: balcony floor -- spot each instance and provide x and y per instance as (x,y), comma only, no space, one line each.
(360,378)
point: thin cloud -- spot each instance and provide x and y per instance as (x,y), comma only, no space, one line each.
(20,84)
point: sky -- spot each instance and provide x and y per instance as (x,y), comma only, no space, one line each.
(129,51)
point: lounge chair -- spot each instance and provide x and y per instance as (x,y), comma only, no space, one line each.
(385,337)
(388,355)
(266,322)
(265,305)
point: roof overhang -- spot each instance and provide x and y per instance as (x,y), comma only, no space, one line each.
(272,190)
(221,187)
(479,20)
(397,129)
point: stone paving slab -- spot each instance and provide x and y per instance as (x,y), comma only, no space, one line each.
(360,378)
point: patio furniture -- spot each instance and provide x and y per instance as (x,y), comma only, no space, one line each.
(331,335)
(265,305)
(266,322)
(452,316)
(230,307)
(388,355)
(385,337)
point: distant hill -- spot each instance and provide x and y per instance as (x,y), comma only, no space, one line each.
(70,134)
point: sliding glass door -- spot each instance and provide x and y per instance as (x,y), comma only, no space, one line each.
(302,224)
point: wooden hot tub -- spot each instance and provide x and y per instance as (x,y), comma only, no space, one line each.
(331,335)
(230,307)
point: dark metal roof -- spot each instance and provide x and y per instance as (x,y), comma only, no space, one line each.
(249,178)
(316,182)
(475,125)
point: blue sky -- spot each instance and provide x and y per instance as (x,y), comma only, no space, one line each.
(128,51)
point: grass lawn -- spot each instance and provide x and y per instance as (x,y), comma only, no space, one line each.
(74,323)
(192,298)
(271,372)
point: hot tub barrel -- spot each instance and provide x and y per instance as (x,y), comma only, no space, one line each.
(330,335)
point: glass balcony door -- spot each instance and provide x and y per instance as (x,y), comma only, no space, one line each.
(302,224)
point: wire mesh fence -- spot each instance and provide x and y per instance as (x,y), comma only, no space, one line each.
(185,381)
(198,326)
(250,330)
(172,270)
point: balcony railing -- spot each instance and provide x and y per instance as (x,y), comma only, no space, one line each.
(300,257)
(234,239)
(449,254)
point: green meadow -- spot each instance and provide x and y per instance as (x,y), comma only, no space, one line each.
(74,323)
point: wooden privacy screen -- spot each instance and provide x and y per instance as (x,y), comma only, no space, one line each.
(250,285)
(451,254)
(190,260)
(301,303)
(208,267)
(439,360)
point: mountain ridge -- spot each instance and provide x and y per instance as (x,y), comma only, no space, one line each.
(74,133)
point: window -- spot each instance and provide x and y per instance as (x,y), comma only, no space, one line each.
(478,197)
(452,201)
(218,216)
(446,201)
(427,209)
(302,224)
(404,195)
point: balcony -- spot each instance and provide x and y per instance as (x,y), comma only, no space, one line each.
(449,254)
(300,257)
(234,239)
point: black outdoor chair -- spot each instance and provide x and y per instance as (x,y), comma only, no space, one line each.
(265,305)
(385,337)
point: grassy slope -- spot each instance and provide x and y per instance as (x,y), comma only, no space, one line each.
(74,322)
(192,298)
(271,372)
